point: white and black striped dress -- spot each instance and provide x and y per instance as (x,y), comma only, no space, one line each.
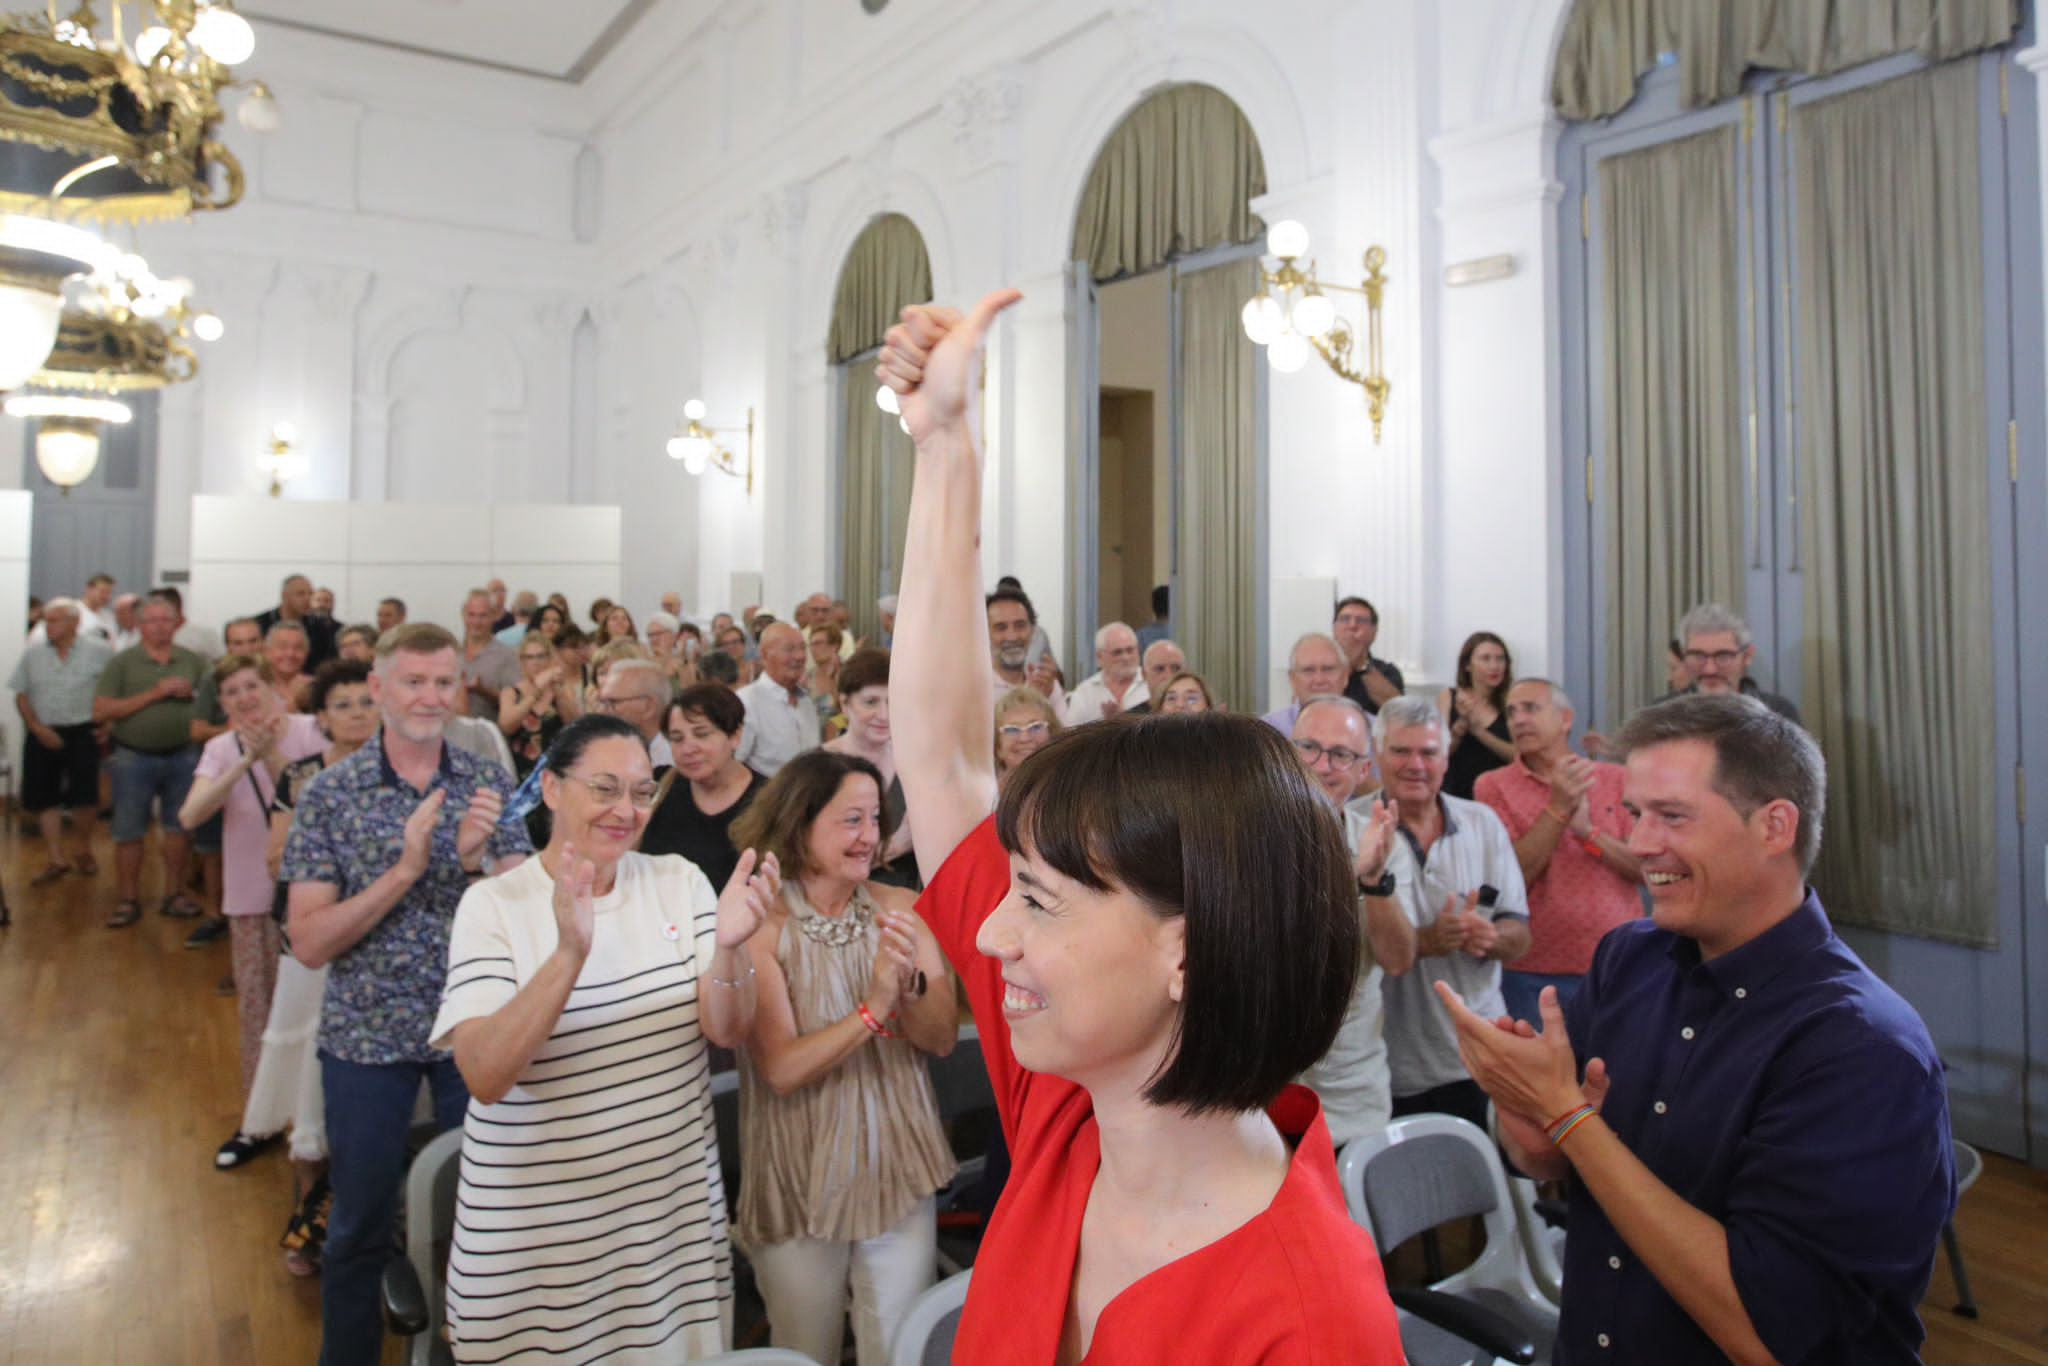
(590,1221)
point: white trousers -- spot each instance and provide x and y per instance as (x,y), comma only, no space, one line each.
(805,1283)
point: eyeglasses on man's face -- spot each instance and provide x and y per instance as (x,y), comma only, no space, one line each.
(1313,753)
(607,789)
(612,704)
(1720,659)
(1030,731)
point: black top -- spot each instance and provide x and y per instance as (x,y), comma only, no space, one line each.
(678,827)
(1354,687)
(1781,705)
(1471,758)
(903,872)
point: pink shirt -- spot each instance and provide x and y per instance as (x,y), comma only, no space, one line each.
(246,888)
(1579,898)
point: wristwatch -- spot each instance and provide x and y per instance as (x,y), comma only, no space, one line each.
(1384,887)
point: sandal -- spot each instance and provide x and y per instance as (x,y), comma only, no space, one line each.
(240,1150)
(305,1235)
(126,912)
(85,867)
(182,907)
(51,874)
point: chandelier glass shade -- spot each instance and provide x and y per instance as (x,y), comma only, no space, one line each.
(67,432)
(37,256)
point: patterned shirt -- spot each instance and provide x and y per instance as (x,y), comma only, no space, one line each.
(1579,898)
(347,831)
(61,687)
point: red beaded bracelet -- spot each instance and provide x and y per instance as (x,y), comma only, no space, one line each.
(875,1026)
(1593,847)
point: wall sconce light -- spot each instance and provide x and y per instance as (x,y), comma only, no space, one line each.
(696,445)
(282,459)
(67,433)
(1300,316)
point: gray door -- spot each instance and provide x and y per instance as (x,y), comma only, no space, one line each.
(105,525)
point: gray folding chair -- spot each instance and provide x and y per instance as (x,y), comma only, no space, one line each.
(1969,1166)
(413,1282)
(1429,1170)
(925,1338)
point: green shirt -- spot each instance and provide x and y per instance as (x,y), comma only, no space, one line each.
(165,725)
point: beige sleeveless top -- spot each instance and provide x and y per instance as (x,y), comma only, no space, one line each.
(847,1156)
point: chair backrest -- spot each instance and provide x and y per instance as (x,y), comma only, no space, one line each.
(1426,1170)
(960,1079)
(925,1337)
(430,1224)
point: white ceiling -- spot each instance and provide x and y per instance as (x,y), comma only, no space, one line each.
(563,39)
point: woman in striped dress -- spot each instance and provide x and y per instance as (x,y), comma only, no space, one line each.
(582,986)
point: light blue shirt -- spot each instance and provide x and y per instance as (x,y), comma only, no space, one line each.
(61,689)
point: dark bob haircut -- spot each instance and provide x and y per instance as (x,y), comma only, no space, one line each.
(866,668)
(778,821)
(1211,817)
(714,702)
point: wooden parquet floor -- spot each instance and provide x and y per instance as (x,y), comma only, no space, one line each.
(120,1244)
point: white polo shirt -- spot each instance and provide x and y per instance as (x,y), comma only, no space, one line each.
(1474,851)
(1086,702)
(778,729)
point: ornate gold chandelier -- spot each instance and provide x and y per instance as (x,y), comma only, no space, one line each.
(100,126)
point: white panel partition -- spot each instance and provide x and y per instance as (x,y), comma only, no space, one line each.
(429,555)
(1300,605)
(16,513)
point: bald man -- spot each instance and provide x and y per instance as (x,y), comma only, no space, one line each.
(782,722)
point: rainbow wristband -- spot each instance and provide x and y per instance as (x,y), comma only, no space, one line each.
(1562,1127)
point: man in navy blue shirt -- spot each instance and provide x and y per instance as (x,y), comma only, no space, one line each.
(1754,1126)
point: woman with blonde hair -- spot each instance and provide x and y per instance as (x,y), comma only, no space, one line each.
(1026,722)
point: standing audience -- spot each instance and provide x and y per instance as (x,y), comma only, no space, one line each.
(1717,652)
(1185,693)
(1012,633)
(1476,712)
(287,646)
(488,666)
(637,692)
(54,683)
(1570,828)
(381,849)
(533,711)
(586,983)
(1116,686)
(295,604)
(781,722)
(146,694)
(709,787)
(1456,878)
(1372,681)
(864,700)
(390,614)
(1315,668)
(1025,724)
(839,1126)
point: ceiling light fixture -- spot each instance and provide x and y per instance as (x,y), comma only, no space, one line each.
(67,432)
(696,445)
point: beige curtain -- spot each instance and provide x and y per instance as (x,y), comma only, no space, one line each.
(1177,176)
(886,271)
(1608,44)
(1214,612)
(876,497)
(1892,464)
(1669,491)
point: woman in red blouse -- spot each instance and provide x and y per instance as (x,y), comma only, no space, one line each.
(1156,931)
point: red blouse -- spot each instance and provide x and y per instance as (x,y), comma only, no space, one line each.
(1300,1284)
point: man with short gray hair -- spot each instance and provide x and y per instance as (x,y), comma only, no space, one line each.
(637,692)
(53,685)
(295,604)
(1116,686)
(1570,829)
(1164,661)
(489,666)
(1719,652)
(1755,1127)
(1315,668)
(885,609)
(1455,874)
(781,720)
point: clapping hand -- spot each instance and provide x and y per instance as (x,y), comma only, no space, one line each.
(755,884)
(1532,1076)
(1044,676)
(895,964)
(1376,845)
(419,834)
(1449,933)
(575,904)
(478,821)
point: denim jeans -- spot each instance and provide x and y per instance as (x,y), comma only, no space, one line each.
(142,779)
(369,1118)
(1523,991)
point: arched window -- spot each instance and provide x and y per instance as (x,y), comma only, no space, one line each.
(886,270)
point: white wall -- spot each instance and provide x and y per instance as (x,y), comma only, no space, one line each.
(429,555)
(14,521)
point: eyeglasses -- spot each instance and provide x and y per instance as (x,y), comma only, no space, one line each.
(1722,659)
(1033,731)
(603,703)
(1314,754)
(360,704)
(608,790)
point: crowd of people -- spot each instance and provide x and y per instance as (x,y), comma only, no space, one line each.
(542,865)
